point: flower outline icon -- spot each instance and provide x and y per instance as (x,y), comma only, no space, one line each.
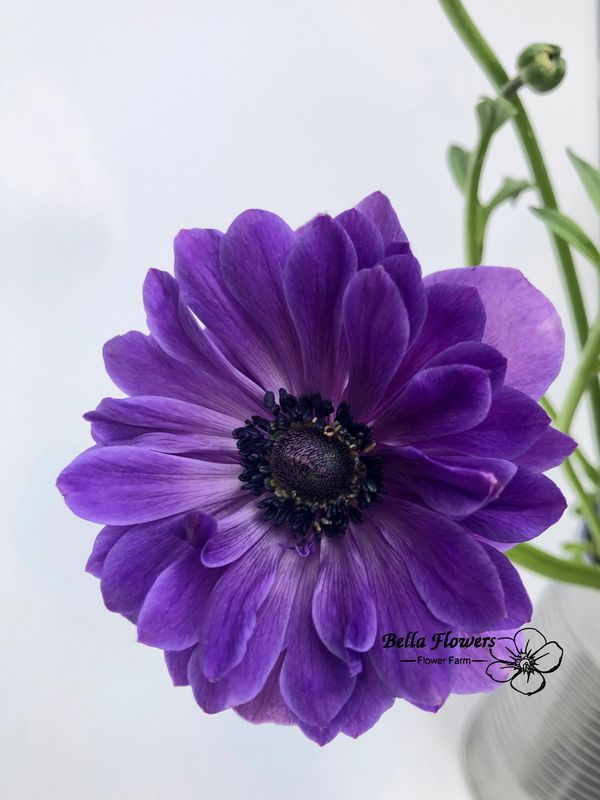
(523,660)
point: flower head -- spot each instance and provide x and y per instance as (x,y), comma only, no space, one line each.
(523,660)
(343,449)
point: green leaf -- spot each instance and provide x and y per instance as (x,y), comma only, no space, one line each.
(578,547)
(492,114)
(530,557)
(589,176)
(570,231)
(580,552)
(458,161)
(509,190)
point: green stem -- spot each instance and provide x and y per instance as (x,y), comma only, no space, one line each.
(546,404)
(586,369)
(587,506)
(588,510)
(530,557)
(510,89)
(479,48)
(587,466)
(474,217)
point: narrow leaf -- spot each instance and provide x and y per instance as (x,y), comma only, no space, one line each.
(570,231)
(458,161)
(589,176)
(492,114)
(509,190)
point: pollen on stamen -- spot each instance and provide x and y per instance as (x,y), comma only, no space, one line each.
(311,464)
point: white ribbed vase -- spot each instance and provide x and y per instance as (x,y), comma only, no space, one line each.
(546,746)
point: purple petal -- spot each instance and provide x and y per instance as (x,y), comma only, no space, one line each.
(247,679)
(400,608)
(235,535)
(521,322)
(477,354)
(205,448)
(365,236)
(196,528)
(139,366)
(437,401)
(320,736)
(166,414)
(514,423)
(529,504)
(105,541)
(253,253)
(505,650)
(136,561)
(377,330)
(501,672)
(198,271)
(378,209)
(268,705)
(127,420)
(518,604)
(314,683)
(318,271)
(549,451)
(452,485)
(172,612)
(452,572)
(177,663)
(473,677)
(405,271)
(170,322)
(342,606)
(232,608)
(124,485)
(454,314)
(177,332)
(367,703)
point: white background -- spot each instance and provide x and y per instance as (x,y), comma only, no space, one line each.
(121,122)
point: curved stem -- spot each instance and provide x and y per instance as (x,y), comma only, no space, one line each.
(510,89)
(588,510)
(530,557)
(587,467)
(474,222)
(587,367)
(487,59)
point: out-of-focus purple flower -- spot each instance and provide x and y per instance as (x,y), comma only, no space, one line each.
(343,450)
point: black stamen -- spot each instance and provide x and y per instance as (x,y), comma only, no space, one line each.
(313,469)
(269,400)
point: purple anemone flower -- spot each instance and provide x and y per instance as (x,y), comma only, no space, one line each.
(341,449)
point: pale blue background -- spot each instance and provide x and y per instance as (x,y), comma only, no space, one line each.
(121,122)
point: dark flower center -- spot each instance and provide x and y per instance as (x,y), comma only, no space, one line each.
(313,466)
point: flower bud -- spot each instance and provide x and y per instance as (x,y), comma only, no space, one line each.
(541,67)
